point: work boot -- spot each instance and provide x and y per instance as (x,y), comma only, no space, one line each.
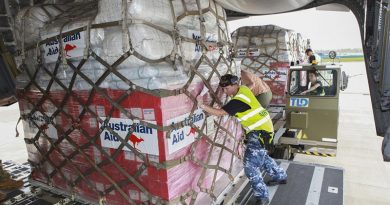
(274,182)
(258,201)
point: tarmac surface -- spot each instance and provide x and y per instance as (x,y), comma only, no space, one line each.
(366,176)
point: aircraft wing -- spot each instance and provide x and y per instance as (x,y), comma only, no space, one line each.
(263,6)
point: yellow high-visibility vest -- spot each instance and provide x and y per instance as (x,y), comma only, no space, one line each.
(256,118)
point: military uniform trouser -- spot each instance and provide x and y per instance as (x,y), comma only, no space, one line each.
(256,159)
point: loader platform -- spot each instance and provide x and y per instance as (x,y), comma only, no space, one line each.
(307,184)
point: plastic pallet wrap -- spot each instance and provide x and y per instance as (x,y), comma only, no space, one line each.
(268,51)
(108,103)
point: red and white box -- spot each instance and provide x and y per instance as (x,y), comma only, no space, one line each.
(276,78)
(84,152)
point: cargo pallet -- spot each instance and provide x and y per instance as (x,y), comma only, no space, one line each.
(307,183)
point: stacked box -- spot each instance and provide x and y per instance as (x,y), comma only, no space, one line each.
(165,183)
(98,84)
(268,51)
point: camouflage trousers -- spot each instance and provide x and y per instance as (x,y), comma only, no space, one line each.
(256,159)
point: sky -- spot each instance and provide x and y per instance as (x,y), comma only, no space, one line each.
(325,29)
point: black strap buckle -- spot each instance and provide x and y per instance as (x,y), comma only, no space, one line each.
(266,140)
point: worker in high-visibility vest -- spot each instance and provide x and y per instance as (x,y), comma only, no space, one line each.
(311,57)
(259,135)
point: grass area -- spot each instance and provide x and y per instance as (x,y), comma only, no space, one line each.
(327,60)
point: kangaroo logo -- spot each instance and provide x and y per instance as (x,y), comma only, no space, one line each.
(277,76)
(135,140)
(192,131)
(69,47)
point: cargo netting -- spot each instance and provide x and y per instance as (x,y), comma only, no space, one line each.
(108,100)
(268,51)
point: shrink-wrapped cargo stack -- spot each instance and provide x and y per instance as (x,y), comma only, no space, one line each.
(268,51)
(108,99)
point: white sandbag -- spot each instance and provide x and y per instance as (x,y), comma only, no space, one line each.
(149,71)
(153,83)
(147,41)
(28,21)
(157,12)
(259,46)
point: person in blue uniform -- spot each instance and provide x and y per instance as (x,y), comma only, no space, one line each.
(259,135)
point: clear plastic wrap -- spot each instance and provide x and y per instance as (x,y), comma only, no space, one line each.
(109,83)
(269,50)
(28,22)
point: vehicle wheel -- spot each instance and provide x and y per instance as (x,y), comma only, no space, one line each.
(299,147)
(386,146)
(283,152)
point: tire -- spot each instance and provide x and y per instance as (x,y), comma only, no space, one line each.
(299,147)
(386,146)
(283,152)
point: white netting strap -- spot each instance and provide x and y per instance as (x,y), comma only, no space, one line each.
(175,38)
(126,46)
(23,54)
(87,40)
